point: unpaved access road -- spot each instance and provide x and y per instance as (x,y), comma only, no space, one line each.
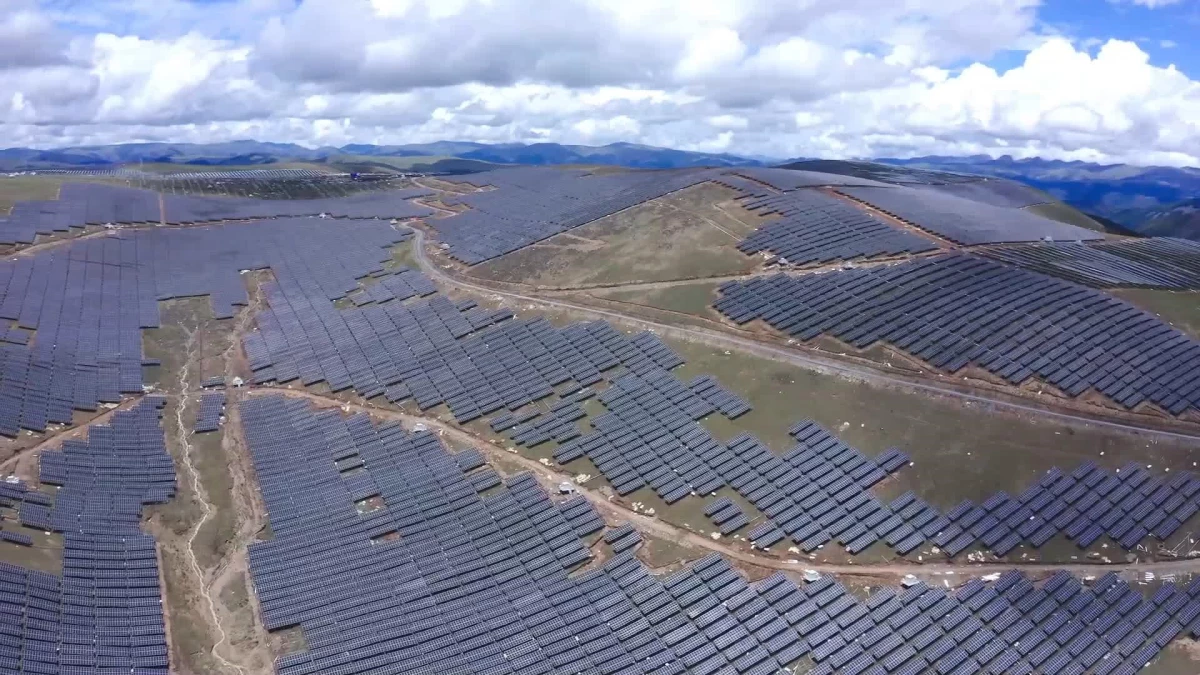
(551,477)
(722,340)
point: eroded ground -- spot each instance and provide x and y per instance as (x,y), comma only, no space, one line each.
(203,532)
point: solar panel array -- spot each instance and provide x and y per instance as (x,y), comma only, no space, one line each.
(714,393)
(726,515)
(964,221)
(475,360)
(957,310)
(818,228)
(104,614)
(786,180)
(17,538)
(481,584)
(401,284)
(1128,506)
(994,191)
(1143,263)
(581,515)
(650,437)
(82,204)
(534,203)
(78,205)
(212,407)
(381,204)
(818,491)
(559,425)
(90,299)
(1010,626)
(622,538)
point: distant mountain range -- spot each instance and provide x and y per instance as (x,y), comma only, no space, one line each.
(1152,200)
(1142,198)
(242,153)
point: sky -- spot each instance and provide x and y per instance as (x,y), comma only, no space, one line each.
(1092,80)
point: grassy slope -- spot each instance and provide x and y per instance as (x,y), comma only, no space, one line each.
(1181,310)
(680,236)
(25,188)
(168,168)
(1065,213)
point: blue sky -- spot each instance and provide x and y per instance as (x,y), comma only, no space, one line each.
(1167,34)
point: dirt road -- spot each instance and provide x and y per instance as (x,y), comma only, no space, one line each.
(55,440)
(550,477)
(722,340)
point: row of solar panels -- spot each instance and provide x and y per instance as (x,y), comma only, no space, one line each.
(816,228)
(957,310)
(90,300)
(530,204)
(1156,262)
(435,351)
(82,204)
(703,619)
(105,612)
(212,409)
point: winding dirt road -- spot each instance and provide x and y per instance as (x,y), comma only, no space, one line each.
(550,477)
(724,340)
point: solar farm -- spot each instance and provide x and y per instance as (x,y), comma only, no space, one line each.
(249,427)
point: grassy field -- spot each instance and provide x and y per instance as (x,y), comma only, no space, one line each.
(1065,213)
(695,299)
(26,188)
(960,450)
(689,234)
(167,168)
(44,556)
(1179,308)
(398,163)
(403,256)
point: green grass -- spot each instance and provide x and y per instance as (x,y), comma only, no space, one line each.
(397,163)
(1065,213)
(1179,308)
(403,256)
(961,450)
(44,556)
(684,235)
(692,299)
(168,168)
(26,188)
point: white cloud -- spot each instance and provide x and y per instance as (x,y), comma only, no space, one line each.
(818,78)
(1152,4)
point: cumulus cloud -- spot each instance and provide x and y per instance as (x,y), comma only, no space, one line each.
(28,38)
(818,78)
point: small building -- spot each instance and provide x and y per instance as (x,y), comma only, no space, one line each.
(566,488)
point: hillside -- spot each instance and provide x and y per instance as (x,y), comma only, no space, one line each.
(995,191)
(525,393)
(1178,220)
(1127,194)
